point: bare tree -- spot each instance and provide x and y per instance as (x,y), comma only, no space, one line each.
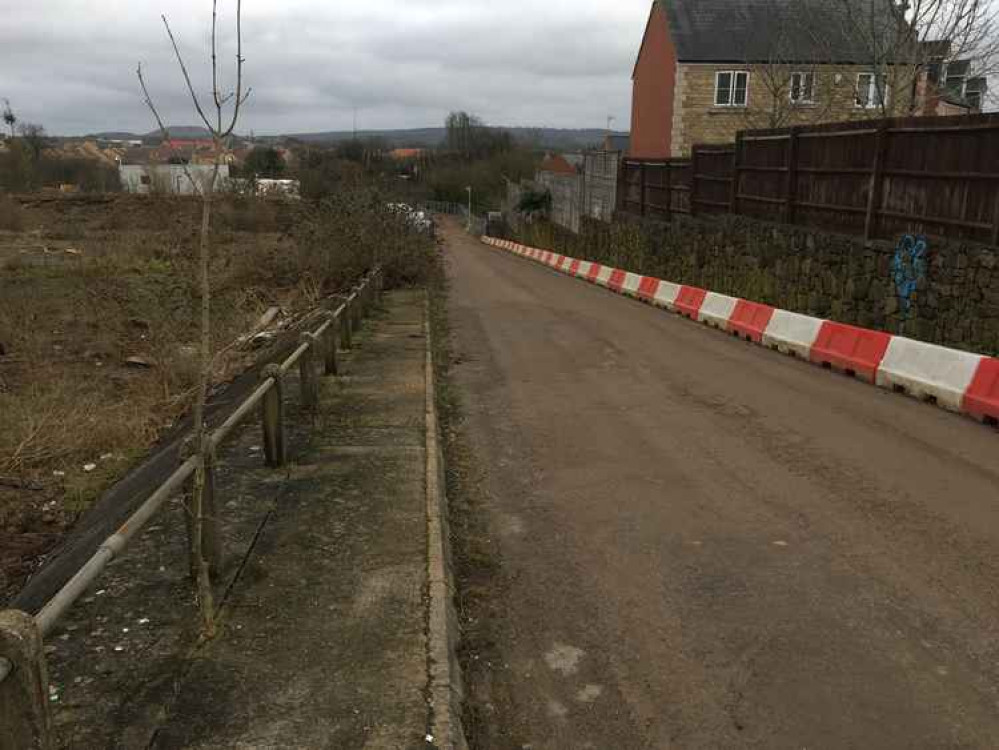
(785,58)
(221,126)
(9,118)
(34,137)
(903,43)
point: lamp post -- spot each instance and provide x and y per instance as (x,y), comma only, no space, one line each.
(469,189)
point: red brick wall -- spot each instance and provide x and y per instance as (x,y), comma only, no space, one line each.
(652,91)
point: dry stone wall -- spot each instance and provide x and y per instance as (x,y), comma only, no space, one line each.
(944,293)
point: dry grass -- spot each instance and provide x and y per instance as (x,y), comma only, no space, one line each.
(69,321)
(11,215)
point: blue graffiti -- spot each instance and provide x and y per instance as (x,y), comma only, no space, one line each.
(908,267)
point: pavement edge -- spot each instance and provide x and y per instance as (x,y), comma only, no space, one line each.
(445,687)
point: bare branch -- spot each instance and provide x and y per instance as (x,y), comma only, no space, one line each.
(163,129)
(187,77)
(240,98)
(215,66)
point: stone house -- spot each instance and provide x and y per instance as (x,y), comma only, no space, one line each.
(709,68)
(561,175)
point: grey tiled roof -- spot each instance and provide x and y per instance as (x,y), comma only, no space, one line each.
(807,31)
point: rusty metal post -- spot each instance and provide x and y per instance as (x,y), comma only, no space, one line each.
(330,364)
(307,372)
(211,537)
(25,720)
(272,417)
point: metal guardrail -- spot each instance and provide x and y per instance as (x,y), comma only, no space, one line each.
(23,697)
(442,207)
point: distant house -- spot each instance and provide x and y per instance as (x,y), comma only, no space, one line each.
(404,154)
(167,179)
(616,143)
(561,176)
(600,174)
(709,68)
(947,86)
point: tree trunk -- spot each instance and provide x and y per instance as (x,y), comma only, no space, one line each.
(204,584)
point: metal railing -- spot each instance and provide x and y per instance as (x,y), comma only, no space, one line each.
(442,207)
(23,688)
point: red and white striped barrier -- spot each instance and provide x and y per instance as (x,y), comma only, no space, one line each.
(956,380)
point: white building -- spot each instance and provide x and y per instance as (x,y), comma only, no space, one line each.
(169,178)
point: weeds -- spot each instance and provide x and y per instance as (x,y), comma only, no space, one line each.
(69,322)
(348,233)
(11,215)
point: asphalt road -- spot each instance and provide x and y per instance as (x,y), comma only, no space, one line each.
(705,544)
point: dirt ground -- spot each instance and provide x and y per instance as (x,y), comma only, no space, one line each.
(321,596)
(670,538)
(98,344)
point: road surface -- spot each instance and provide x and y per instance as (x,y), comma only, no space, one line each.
(704,544)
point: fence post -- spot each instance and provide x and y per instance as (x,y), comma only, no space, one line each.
(369,296)
(693,180)
(25,721)
(211,538)
(358,309)
(307,372)
(641,182)
(733,201)
(347,326)
(995,216)
(877,177)
(621,189)
(791,186)
(330,362)
(272,417)
(668,171)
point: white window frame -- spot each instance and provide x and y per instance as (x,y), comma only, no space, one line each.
(733,75)
(872,91)
(802,75)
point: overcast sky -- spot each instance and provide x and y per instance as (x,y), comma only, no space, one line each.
(70,64)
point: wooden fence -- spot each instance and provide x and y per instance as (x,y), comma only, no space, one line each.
(876,178)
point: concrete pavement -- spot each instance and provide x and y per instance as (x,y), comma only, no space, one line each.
(326,635)
(699,544)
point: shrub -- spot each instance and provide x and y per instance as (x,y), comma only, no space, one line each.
(11,215)
(348,233)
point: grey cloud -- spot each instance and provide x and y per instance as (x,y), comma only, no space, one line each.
(71,65)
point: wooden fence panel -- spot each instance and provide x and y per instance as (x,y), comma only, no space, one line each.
(680,171)
(763,176)
(872,178)
(714,180)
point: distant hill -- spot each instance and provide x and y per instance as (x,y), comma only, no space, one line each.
(114,135)
(566,139)
(557,139)
(183,132)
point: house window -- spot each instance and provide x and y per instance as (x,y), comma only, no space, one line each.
(955,85)
(803,88)
(872,91)
(731,88)
(974,92)
(144,179)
